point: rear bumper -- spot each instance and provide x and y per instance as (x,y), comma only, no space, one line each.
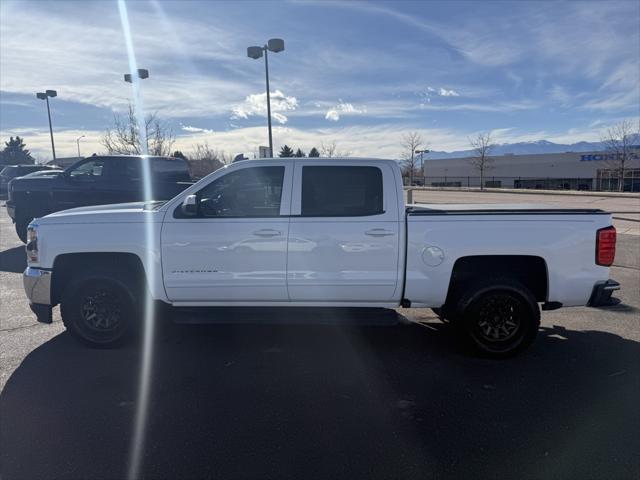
(601,294)
(37,286)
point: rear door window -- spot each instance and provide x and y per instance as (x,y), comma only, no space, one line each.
(336,191)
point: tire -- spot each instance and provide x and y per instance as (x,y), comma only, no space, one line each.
(22,222)
(100,310)
(498,318)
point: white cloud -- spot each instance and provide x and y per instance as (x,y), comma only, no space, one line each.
(190,129)
(334,113)
(443,92)
(84,60)
(256,104)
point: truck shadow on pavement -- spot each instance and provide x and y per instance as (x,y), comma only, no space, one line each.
(13,260)
(384,400)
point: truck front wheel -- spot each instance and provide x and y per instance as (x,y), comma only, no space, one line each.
(99,310)
(498,318)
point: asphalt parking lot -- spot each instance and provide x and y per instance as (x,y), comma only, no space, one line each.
(316,394)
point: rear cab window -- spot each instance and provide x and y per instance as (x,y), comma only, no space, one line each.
(171,169)
(126,168)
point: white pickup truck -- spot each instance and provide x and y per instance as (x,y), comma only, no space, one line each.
(318,232)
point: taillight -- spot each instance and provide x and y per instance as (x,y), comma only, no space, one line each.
(605,246)
(32,244)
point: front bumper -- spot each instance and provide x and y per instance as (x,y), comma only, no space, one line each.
(601,294)
(37,285)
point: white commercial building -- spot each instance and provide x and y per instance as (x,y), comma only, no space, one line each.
(568,171)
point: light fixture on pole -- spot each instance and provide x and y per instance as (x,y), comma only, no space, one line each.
(422,152)
(45,96)
(78,144)
(142,74)
(274,45)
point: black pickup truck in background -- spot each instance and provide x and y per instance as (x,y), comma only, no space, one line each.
(95,180)
(10,172)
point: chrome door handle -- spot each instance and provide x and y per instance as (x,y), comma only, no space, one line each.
(267,232)
(379,232)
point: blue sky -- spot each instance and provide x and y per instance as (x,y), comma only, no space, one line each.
(357,73)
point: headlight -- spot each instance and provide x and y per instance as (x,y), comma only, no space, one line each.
(32,244)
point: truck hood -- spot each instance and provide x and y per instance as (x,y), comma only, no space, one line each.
(37,183)
(117,213)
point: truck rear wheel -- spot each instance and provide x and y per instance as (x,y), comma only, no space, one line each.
(498,318)
(99,310)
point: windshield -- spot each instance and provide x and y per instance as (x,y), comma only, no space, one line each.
(8,171)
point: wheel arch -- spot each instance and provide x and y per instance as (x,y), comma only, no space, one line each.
(529,270)
(68,265)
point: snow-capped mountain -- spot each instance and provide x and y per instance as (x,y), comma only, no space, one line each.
(524,148)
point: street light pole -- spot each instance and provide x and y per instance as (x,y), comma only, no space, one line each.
(45,96)
(142,73)
(274,45)
(422,152)
(78,144)
(53,146)
(266,71)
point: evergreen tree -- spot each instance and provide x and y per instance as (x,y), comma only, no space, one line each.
(314,152)
(15,153)
(300,153)
(286,152)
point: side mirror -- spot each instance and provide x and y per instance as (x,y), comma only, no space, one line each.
(189,206)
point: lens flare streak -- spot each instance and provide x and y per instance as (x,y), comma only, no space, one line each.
(144,381)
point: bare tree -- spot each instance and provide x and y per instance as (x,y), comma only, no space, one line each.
(620,141)
(411,142)
(203,160)
(330,150)
(124,137)
(482,161)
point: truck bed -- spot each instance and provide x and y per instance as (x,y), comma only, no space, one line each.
(440,234)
